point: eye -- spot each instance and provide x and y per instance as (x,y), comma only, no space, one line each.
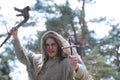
(46,45)
(53,44)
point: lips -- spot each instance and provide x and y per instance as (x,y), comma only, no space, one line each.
(51,51)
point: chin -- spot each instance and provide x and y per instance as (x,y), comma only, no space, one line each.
(52,55)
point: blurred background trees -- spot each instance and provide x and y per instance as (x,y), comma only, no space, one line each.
(101,56)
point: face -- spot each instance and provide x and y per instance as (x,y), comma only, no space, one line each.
(51,47)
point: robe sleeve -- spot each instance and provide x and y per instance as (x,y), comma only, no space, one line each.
(82,72)
(31,60)
(21,54)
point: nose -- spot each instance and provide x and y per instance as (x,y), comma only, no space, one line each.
(50,47)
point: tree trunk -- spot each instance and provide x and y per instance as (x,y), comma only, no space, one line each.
(83,30)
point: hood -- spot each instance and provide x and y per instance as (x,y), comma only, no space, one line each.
(62,40)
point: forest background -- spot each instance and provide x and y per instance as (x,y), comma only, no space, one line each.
(95,29)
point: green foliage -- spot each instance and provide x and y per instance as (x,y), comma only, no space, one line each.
(107,51)
(97,66)
(54,24)
(100,19)
(4,67)
(6,57)
(38,5)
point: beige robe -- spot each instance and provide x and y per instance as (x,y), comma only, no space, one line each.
(52,70)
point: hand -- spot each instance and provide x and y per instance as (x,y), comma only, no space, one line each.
(73,61)
(14,32)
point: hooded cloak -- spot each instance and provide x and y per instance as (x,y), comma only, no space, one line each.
(52,69)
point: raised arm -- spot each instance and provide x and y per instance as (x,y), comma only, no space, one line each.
(19,51)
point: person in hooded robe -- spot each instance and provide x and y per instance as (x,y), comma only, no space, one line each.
(54,62)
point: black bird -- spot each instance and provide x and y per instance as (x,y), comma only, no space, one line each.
(24,11)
